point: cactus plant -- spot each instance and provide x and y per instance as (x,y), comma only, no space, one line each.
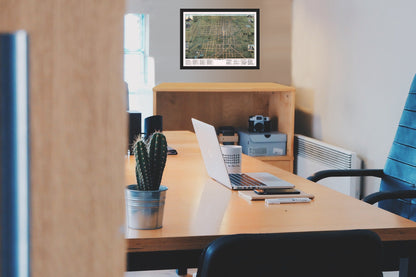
(150,161)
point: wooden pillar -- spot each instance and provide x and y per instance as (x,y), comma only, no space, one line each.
(78,133)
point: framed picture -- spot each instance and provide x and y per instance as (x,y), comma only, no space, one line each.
(219,39)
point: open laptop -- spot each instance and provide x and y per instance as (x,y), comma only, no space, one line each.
(217,170)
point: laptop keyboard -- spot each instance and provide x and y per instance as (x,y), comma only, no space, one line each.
(244,181)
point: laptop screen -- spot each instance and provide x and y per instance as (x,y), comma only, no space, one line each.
(211,152)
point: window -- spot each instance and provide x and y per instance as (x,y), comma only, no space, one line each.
(138,66)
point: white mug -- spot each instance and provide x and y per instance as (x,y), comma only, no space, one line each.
(232,157)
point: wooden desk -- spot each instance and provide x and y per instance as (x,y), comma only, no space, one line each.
(198,210)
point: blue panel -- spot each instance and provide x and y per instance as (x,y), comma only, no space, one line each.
(411,102)
(400,171)
(408,119)
(413,86)
(406,136)
(402,207)
(404,154)
(400,168)
(14,156)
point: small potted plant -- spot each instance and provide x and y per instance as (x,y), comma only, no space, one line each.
(145,200)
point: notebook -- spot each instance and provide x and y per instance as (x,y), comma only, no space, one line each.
(217,170)
(252,196)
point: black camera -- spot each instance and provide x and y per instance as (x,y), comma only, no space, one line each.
(227,135)
(259,124)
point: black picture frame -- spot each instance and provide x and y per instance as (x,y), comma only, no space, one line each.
(220,38)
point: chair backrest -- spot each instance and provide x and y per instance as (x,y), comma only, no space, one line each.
(336,253)
(400,168)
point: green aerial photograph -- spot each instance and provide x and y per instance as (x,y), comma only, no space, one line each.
(219,37)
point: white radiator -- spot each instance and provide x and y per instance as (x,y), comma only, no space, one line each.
(312,155)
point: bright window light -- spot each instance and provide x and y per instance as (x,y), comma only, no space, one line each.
(138,66)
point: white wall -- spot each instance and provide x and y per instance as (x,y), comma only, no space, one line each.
(275,40)
(352,64)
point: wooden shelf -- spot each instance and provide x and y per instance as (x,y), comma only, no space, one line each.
(228,104)
(283,162)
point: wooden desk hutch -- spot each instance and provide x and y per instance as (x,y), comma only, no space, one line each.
(228,104)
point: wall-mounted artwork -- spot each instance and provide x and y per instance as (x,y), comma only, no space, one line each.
(219,39)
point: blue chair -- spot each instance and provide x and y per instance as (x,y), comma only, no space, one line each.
(397,189)
(325,254)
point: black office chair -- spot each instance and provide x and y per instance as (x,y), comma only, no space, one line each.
(334,253)
(398,179)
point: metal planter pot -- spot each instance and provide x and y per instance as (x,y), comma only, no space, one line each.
(145,208)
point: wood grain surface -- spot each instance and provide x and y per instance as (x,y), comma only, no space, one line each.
(228,104)
(198,209)
(78,133)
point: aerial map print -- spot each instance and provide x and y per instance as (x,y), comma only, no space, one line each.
(220,37)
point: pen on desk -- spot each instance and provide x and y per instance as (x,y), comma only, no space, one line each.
(287,200)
